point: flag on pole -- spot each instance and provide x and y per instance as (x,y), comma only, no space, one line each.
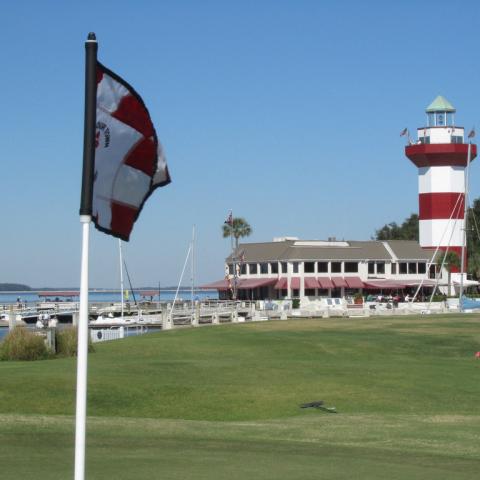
(404,132)
(229,220)
(129,161)
(471,133)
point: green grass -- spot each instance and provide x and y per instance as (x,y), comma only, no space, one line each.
(223,402)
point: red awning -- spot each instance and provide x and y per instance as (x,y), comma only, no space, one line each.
(339,282)
(310,282)
(325,282)
(354,282)
(281,284)
(220,285)
(255,282)
(295,283)
(58,294)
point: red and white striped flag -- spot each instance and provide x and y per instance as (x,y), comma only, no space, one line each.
(129,161)
(229,220)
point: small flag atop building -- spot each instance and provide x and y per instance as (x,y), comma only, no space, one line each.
(129,161)
(404,132)
(471,134)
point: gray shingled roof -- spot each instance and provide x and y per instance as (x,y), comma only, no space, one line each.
(410,250)
(356,250)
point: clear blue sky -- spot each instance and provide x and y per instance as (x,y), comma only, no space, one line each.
(287,112)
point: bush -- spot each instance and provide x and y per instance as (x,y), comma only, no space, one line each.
(296,303)
(22,344)
(66,342)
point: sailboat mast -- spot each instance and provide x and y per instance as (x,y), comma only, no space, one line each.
(121,273)
(465,212)
(193,265)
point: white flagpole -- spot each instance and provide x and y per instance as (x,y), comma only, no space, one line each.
(82,356)
(85,219)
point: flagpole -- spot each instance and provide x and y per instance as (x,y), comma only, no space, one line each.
(85,219)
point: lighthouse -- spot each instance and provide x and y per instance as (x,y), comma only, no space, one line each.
(441,154)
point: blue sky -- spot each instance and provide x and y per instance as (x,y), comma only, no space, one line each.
(286,112)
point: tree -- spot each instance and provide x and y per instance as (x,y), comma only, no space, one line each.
(239,228)
(449,260)
(408,230)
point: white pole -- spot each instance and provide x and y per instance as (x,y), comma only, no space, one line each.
(121,271)
(193,265)
(181,278)
(82,353)
(465,212)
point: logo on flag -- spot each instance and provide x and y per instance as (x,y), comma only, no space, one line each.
(129,161)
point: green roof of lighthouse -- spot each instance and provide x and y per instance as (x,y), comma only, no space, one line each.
(440,104)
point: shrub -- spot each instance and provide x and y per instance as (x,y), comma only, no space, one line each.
(66,342)
(296,303)
(22,344)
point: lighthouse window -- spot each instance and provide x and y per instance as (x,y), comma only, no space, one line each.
(440,119)
(457,139)
(424,139)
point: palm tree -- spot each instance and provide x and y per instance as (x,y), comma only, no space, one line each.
(450,260)
(238,228)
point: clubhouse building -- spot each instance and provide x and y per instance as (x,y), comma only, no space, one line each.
(291,268)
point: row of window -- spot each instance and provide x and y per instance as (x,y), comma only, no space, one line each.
(374,268)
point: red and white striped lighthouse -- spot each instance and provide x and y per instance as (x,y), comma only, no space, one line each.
(441,157)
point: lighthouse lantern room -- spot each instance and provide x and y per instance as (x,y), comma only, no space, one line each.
(441,157)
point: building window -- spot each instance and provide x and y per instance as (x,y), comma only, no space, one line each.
(284,267)
(322,267)
(336,267)
(284,292)
(371,268)
(394,268)
(230,268)
(310,292)
(252,268)
(264,268)
(351,267)
(424,139)
(274,267)
(309,267)
(295,267)
(457,139)
(422,268)
(381,267)
(296,292)
(412,268)
(402,268)
(432,272)
(243,269)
